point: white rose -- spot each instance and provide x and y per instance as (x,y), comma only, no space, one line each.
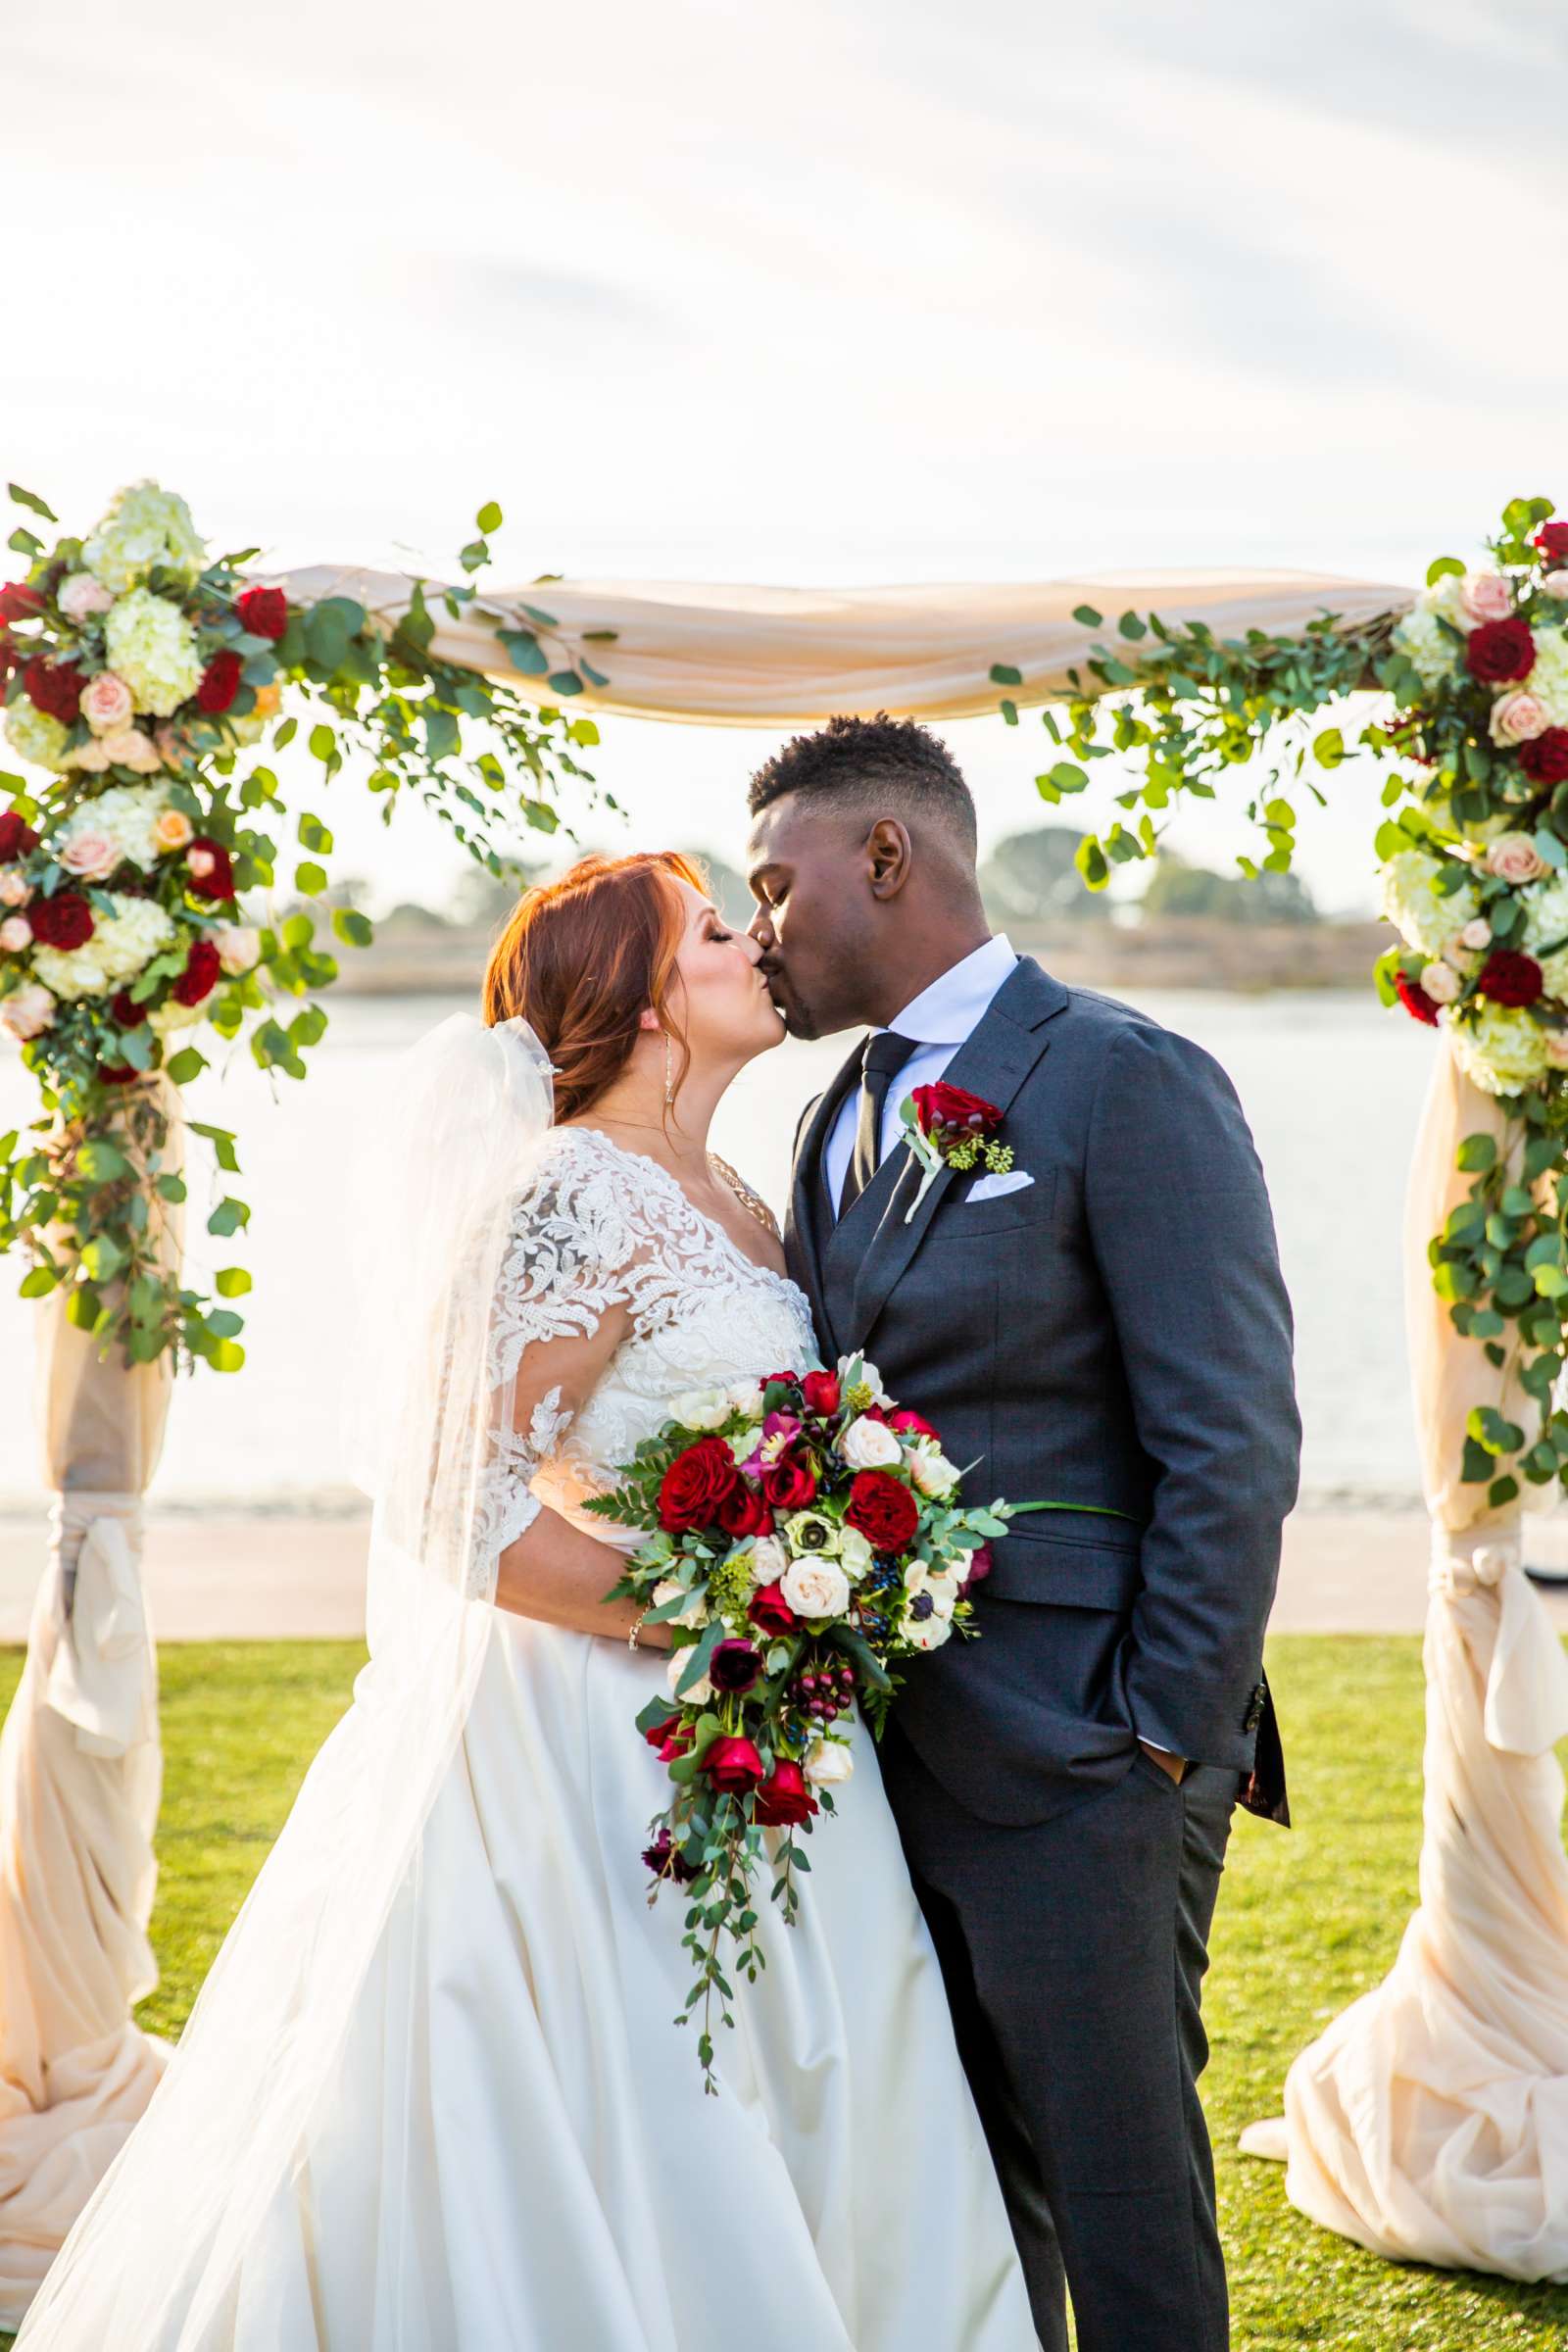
(815,1588)
(1440,982)
(82,596)
(1485,596)
(16,934)
(771,1559)
(239,947)
(746,1398)
(700,1408)
(1477,935)
(933,1474)
(828,1764)
(1514,858)
(855,1552)
(1555,585)
(694,1613)
(869,1446)
(700,1691)
(1517,718)
(27,1011)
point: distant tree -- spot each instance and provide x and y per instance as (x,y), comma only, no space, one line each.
(1031,877)
(1176,888)
(479,900)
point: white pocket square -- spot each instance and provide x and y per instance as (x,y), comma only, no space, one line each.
(992,1188)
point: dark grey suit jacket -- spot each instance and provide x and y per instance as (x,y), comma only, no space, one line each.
(1116,1333)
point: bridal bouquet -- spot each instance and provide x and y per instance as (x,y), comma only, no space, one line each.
(805,1537)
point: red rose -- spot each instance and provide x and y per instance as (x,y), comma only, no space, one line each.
(667,1728)
(219,683)
(820,1390)
(18,602)
(116,1073)
(16,838)
(1414,996)
(54,687)
(124,1008)
(791,1379)
(981,1562)
(790,1482)
(771,1612)
(1544,761)
(912,1425)
(63,921)
(949,1106)
(695,1485)
(216,881)
(733,1764)
(743,1512)
(734,1667)
(883,1510)
(200,976)
(1500,651)
(1509,978)
(784,1800)
(1553,541)
(264,613)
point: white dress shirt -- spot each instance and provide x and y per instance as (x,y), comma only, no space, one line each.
(942,1017)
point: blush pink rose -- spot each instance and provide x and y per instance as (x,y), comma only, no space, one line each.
(1555,583)
(1485,596)
(1514,858)
(1556,1043)
(133,750)
(90,757)
(1440,982)
(1518,717)
(82,596)
(238,946)
(27,1011)
(15,888)
(16,933)
(91,855)
(172,828)
(107,703)
(1476,934)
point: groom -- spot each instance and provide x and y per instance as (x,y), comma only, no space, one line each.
(1104,1325)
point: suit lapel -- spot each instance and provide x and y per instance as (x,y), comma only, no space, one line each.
(993,1062)
(811,1212)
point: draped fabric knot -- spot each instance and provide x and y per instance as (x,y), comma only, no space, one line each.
(100,1675)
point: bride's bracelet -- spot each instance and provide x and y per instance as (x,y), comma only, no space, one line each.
(636,1634)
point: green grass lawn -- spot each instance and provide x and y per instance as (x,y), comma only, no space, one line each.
(1308,1919)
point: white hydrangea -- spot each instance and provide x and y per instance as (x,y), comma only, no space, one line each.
(1425,919)
(145,527)
(125,943)
(152,645)
(127,815)
(1545,906)
(33,735)
(1423,639)
(1548,680)
(171,1014)
(1502,1051)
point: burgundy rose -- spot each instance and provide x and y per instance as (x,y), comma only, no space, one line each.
(1509,977)
(784,1800)
(733,1764)
(219,683)
(734,1667)
(791,1379)
(1414,996)
(790,1482)
(981,1562)
(124,1008)
(912,1425)
(695,1485)
(949,1106)
(771,1612)
(1553,541)
(18,602)
(54,687)
(116,1073)
(820,1390)
(63,921)
(264,613)
(667,1861)
(203,965)
(1544,761)
(1500,651)
(210,868)
(16,838)
(665,1729)
(743,1512)
(883,1510)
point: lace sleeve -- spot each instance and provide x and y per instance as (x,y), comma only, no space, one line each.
(563,1307)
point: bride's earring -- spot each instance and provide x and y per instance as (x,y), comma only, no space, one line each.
(669,1066)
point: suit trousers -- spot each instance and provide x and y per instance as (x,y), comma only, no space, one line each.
(1073,1951)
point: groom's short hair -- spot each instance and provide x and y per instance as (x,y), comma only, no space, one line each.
(876,764)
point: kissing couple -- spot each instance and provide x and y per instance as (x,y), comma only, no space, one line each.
(429,2096)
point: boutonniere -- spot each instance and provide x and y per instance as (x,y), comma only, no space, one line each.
(946,1128)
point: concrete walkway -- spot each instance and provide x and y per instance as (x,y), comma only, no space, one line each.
(264,1577)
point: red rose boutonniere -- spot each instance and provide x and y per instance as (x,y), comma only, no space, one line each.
(946,1128)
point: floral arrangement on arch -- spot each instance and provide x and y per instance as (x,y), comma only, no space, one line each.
(138,672)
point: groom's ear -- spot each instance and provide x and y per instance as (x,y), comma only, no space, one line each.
(887,849)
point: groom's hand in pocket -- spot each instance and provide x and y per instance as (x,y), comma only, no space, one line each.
(1175,1766)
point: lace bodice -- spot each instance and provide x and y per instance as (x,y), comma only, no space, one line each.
(599,1229)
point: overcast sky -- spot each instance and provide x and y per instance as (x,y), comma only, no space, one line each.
(893,289)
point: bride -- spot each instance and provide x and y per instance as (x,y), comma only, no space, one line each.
(431,2095)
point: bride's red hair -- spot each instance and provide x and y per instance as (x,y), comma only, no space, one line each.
(582,958)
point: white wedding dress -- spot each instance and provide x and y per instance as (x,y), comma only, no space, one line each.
(513,2151)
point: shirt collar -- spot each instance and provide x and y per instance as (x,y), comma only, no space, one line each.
(950,1008)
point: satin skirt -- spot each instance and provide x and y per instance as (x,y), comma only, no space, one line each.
(515,2153)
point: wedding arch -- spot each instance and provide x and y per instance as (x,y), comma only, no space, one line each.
(146,683)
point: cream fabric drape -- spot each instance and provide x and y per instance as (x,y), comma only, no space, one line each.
(779,657)
(80,1770)
(1430,2122)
